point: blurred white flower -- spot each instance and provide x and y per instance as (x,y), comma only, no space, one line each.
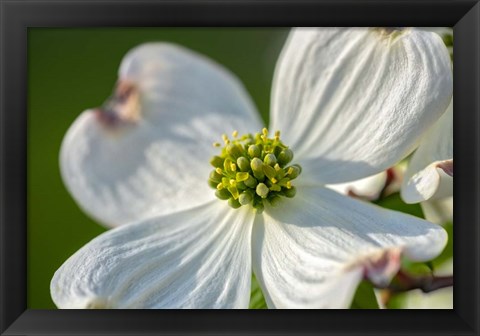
(429,175)
(368,188)
(438,211)
(349,102)
(373,187)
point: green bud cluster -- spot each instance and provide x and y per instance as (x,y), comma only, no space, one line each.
(252,170)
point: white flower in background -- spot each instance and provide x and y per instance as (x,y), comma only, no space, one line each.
(368,188)
(373,187)
(429,176)
(349,102)
(438,211)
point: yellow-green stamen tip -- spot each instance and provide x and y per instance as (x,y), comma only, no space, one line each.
(262,190)
(252,169)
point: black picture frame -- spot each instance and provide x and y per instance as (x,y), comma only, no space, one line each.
(16,16)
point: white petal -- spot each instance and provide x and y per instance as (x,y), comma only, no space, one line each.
(430,172)
(198,258)
(369,187)
(353,102)
(157,160)
(439,30)
(442,32)
(312,251)
(438,211)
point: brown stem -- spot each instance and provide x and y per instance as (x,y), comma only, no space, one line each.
(404,282)
(438,283)
(428,283)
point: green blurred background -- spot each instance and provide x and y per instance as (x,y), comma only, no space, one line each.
(71,70)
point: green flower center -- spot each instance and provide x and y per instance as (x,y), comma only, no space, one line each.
(252,170)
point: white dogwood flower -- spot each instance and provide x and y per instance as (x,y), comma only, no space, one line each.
(376,186)
(438,211)
(368,188)
(349,104)
(429,176)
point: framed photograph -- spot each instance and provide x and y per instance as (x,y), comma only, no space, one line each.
(208,167)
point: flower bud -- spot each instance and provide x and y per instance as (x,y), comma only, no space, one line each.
(270,159)
(285,156)
(245,198)
(290,192)
(234,203)
(223,194)
(254,151)
(262,190)
(243,164)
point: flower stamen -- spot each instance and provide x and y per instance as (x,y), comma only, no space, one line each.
(253,169)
